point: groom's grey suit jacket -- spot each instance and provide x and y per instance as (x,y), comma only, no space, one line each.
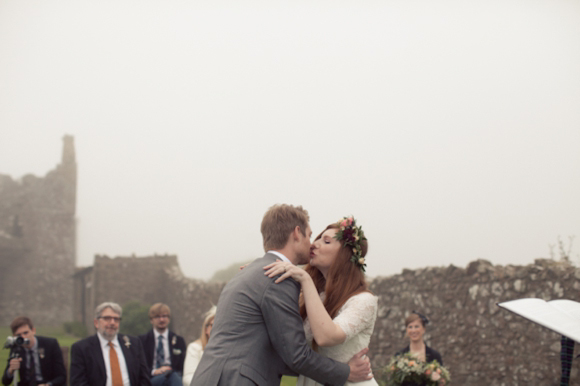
(258,335)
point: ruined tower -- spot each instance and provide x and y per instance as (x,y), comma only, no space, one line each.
(38,243)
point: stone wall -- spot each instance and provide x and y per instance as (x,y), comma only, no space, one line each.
(480,343)
(148,280)
(38,243)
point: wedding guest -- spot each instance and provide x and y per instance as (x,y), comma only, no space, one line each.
(195,349)
(39,360)
(415,326)
(108,358)
(164,349)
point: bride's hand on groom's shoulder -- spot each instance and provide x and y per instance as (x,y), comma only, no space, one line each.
(286,270)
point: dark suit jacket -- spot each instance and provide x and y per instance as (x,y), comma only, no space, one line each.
(258,335)
(177,350)
(51,364)
(87,366)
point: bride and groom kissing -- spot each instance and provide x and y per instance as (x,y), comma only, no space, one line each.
(264,321)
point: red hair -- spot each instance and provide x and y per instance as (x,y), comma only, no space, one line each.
(344,278)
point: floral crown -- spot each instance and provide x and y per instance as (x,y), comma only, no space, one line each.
(353,236)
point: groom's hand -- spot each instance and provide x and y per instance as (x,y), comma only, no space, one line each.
(360,367)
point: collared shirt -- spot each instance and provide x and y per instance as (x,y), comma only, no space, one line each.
(122,363)
(167,359)
(281,256)
(34,351)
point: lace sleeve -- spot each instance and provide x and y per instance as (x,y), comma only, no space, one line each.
(357,314)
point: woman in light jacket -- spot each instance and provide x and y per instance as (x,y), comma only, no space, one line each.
(195,349)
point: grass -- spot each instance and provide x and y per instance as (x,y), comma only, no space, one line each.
(66,340)
(288,381)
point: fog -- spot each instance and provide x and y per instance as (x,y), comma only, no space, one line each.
(449,129)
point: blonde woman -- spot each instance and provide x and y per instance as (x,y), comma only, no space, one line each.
(195,349)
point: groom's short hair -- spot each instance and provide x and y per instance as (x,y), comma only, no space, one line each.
(279,222)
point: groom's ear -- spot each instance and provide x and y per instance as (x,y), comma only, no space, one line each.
(296,233)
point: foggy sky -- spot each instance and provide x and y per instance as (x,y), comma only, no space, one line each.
(449,129)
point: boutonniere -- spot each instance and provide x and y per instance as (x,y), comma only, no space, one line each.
(127,341)
(174,340)
(176,351)
(41,352)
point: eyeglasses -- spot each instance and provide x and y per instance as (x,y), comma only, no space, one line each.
(110,318)
(161,316)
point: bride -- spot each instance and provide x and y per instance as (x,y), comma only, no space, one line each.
(338,310)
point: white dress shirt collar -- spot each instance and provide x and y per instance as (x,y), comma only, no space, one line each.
(165,334)
(105,342)
(166,353)
(281,256)
(120,357)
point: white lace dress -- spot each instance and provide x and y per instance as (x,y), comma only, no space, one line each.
(357,319)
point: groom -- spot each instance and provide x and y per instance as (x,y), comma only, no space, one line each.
(257,334)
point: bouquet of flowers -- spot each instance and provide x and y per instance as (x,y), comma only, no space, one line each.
(407,369)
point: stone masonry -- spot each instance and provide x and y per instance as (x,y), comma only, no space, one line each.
(38,243)
(148,280)
(481,344)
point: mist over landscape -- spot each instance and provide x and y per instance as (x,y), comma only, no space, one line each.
(449,129)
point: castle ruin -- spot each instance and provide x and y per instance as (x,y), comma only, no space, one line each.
(38,243)
(481,344)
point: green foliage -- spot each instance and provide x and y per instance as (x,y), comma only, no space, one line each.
(288,381)
(224,275)
(381,376)
(4,332)
(77,329)
(135,319)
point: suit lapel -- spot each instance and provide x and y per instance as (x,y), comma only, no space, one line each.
(149,347)
(125,344)
(42,353)
(170,338)
(97,351)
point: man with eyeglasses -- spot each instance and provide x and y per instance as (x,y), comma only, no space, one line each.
(108,358)
(164,350)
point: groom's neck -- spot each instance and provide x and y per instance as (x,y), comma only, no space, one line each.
(289,253)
